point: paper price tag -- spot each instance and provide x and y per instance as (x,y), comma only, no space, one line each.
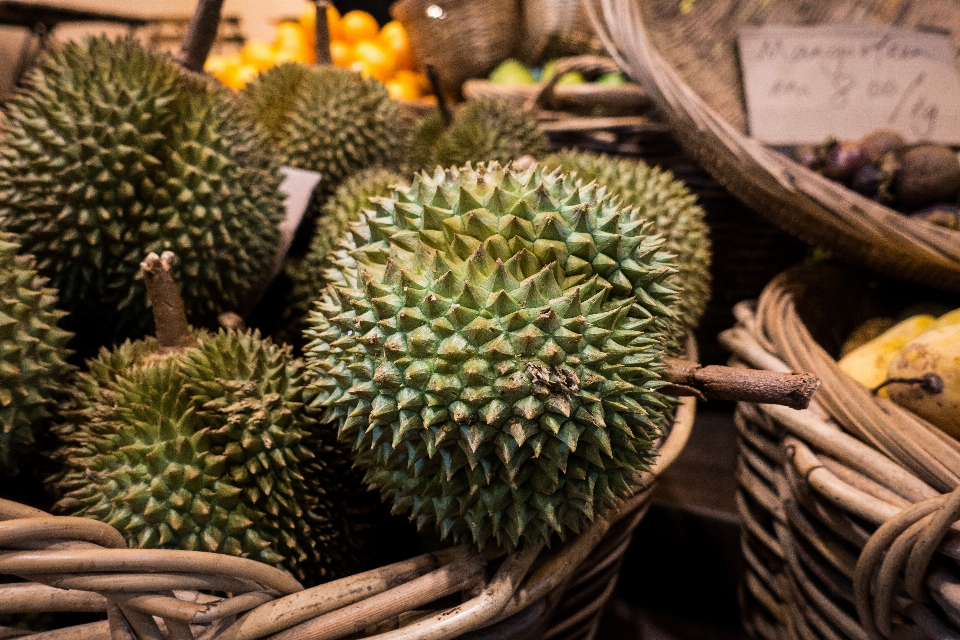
(803,84)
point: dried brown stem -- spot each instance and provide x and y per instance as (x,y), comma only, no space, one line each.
(200,35)
(445,113)
(173,332)
(322,33)
(794,390)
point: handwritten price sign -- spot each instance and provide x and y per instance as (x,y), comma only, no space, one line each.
(803,84)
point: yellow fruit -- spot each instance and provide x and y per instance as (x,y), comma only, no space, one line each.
(868,363)
(341,53)
(361,67)
(417,79)
(393,38)
(259,54)
(946,320)
(382,65)
(358,25)
(935,358)
(217,64)
(865,332)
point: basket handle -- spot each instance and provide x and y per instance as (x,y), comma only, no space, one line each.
(584,64)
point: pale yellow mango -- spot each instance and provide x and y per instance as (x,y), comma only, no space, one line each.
(947,319)
(934,352)
(868,363)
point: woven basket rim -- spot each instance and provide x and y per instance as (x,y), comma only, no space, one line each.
(853,469)
(799,200)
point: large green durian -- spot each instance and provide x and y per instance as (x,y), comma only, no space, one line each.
(209,448)
(338,212)
(492,349)
(32,354)
(109,150)
(327,119)
(484,130)
(655,195)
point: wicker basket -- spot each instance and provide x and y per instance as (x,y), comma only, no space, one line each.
(849,509)
(556,27)
(708,121)
(460,38)
(82,565)
(544,99)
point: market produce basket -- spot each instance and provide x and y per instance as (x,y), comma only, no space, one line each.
(687,65)
(849,509)
(81,565)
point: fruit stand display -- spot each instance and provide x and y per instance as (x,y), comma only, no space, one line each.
(485,337)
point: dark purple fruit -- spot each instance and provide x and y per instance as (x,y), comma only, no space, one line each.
(943,215)
(843,160)
(877,144)
(866,181)
(808,155)
(928,174)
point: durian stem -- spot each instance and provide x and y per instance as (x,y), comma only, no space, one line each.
(445,113)
(200,35)
(322,32)
(173,332)
(794,390)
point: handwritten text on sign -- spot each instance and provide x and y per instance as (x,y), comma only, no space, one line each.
(804,84)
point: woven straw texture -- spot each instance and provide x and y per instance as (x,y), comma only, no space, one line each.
(687,65)
(80,565)
(850,508)
(460,38)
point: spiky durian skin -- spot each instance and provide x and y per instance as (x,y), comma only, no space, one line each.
(207,449)
(485,130)
(110,152)
(32,354)
(329,120)
(655,195)
(494,374)
(344,207)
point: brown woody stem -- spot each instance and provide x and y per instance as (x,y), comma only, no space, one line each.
(445,113)
(173,332)
(794,390)
(322,33)
(200,35)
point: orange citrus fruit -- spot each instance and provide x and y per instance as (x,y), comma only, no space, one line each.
(258,54)
(290,38)
(361,67)
(394,38)
(401,90)
(358,25)
(382,64)
(333,23)
(419,80)
(238,77)
(341,53)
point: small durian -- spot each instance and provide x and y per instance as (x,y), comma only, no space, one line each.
(484,130)
(205,442)
(650,193)
(339,211)
(329,120)
(33,352)
(108,149)
(491,349)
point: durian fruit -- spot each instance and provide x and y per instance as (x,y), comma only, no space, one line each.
(491,351)
(327,119)
(32,354)
(484,130)
(109,149)
(204,442)
(338,212)
(653,194)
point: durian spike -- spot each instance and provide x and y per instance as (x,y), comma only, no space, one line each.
(794,390)
(445,113)
(200,35)
(173,332)
(322,31)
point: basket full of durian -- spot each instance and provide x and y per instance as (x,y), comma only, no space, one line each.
(489,347)
(850,507)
